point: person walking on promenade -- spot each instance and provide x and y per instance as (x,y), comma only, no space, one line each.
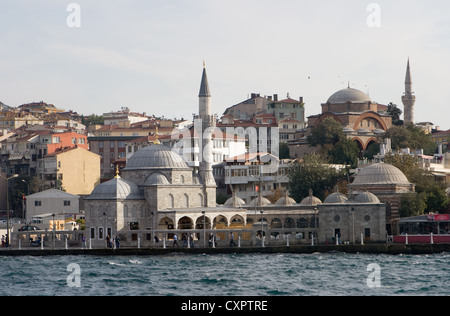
(157,241)
(175,240)
(232,240)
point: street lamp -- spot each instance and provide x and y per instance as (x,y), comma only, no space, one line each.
(262,230)
(23,201)
(204,234)
(7,206)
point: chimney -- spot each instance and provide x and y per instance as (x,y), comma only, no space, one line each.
(275,97)
(301,100)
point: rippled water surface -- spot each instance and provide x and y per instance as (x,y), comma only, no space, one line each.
(240,274)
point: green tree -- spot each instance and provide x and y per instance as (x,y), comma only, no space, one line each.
(284,151)
(344,152)
(395,113)
(429,190)
(327,132)
(92,119)
(313,173)
(410,136)
(411,204)
(335,145)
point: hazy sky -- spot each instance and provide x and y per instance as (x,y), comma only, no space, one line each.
(147,54)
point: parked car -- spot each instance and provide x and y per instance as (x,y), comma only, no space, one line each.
(28,228)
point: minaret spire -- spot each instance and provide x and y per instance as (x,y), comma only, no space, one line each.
(206,122)
(408,98)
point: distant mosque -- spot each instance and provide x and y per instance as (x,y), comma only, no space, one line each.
(363,120)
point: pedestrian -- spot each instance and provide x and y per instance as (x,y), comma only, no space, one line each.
(108,241)
(117,242)
(83,242)
(232,240)
(157,241)
(3,241)
(175,240)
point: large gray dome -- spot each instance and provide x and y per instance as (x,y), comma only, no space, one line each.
(156,157)
(349,95)
(116,189)
(380,173)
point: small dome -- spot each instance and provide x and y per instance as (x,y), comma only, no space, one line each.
(349,95)
(285,201)
(367,197)
(380,173)
(116,189)
(311,201)
(157,178)
(336,198)
(234,201)
(156,157)
(256,202)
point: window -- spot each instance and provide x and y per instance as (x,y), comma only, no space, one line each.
(81,141)
(55,140)
(92,233)
(66,203)
(37,203)
(100,233)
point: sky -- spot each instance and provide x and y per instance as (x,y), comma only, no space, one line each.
(148,55)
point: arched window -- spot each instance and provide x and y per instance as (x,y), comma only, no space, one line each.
(302,223)
(200,197)
(276,223)
(186,198)
(171,201)
(126,214)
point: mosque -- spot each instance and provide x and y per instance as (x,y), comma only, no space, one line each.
(158,194)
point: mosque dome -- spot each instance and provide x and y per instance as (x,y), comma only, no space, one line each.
(156,156)
(285,201)
(157,178)
(234,201)
(367,197)
(336,198)
(380,173)
(349,95)
(311,201)
(116,189)
(256,202)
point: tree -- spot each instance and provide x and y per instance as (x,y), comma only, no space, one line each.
(335,145)
(428,189)
(327,132)
(395,113)
(344,152)
(411,204)
(284,151)
(410,136)
(313,173)
(92,119)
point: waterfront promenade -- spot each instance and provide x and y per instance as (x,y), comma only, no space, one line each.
(392,249)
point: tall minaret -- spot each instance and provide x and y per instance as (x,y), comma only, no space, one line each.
(408,98)
(208,124)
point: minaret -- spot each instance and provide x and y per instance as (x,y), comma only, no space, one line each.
(207,127)
(408,98)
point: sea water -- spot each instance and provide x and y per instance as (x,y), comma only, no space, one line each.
(227,275)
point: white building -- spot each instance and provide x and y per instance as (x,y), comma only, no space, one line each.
(44,204)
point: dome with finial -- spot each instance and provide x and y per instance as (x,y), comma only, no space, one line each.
(286,200)
(336,197)
(259,201)
(367,197)
(116,189)
(311,200)
(234,201)
(349,95)
(156,157)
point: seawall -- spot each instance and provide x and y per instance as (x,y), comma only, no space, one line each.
(392,249)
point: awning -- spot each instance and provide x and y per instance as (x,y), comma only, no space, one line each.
(15,157)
